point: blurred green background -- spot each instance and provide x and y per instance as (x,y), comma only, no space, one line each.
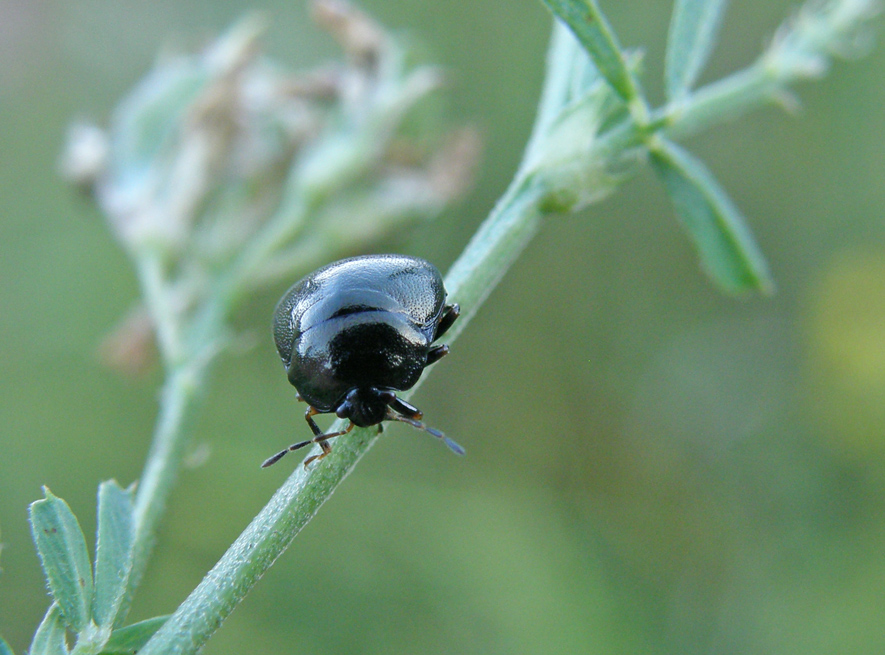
(652,467)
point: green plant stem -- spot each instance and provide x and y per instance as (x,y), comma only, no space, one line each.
(494,248)
(748,89)
(266,537)
(188,357)
(179,401)
(720,101)
(160,304)
(188,347)
(188,351)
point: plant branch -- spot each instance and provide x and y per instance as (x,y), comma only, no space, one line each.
(179,401)
(801,51)
(497,244)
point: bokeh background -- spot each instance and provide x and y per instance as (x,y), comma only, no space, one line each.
(652,467)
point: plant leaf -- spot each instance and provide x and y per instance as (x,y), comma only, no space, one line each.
(129,640)
(50,636)
(4,647)
(591,28)
(727,250)
(113,551)
(693,30)
(62,548)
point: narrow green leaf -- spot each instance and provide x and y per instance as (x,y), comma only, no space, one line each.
(129,640)
(62,550)
(590,26)
(693,29)
(571,74)
(4,647)
(50,636)
(113,551)
(727,250)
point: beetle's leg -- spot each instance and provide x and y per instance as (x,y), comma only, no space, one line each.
(298,397)
(406,409)
(450,313)
(326,450)
(309,413)
(322,439)
(435,354)
(319,438)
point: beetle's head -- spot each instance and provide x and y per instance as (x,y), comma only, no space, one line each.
(365,406)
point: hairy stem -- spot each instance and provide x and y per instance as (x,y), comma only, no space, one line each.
(179,400)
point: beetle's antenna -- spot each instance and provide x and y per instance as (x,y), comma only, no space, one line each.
(453,445)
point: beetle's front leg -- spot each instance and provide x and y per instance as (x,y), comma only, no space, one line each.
(450,313)
(435,354)
(309,413)
(406,409)
(326,449)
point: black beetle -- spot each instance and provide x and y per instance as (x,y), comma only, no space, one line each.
(354,332)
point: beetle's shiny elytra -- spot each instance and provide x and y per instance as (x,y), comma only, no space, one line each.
(353,333)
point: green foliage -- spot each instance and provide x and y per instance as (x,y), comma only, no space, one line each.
(50,636)
(725,244)
(62,548)
(727,249)
(693,29)
(573,136)
(89,608)
(132,638)
(113,551)
(4,647)
(591,28)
